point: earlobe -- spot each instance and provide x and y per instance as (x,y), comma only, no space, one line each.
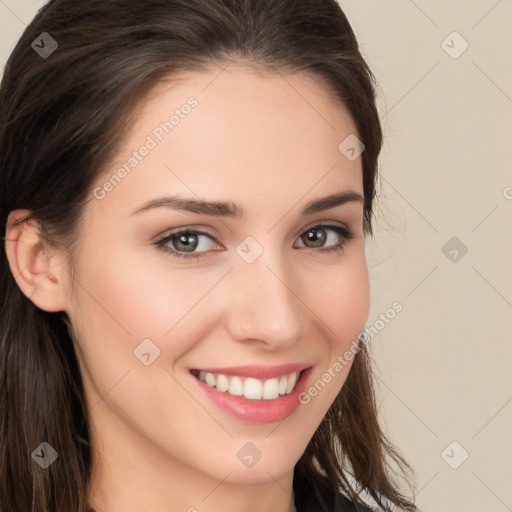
(36,266)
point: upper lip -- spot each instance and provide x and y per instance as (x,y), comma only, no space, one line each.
(258,372)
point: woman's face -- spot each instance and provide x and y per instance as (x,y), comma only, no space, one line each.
(265,290)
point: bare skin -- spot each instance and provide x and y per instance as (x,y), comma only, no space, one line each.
(252,140)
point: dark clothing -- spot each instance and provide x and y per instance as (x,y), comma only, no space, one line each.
(319,496)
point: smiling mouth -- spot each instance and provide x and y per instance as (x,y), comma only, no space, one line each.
(249,387)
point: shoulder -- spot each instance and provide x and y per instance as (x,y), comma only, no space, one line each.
(318,495)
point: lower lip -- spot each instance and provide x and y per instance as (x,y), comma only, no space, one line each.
(257,411)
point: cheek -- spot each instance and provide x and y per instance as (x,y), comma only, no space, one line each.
(342,306)
(340,299)
(125,298)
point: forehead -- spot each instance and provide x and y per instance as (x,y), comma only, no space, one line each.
(236,131)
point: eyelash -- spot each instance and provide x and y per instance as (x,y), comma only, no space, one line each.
(345,233)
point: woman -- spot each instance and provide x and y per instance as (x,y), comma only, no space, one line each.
(186,187)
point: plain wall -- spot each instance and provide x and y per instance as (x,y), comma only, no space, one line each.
(442,364)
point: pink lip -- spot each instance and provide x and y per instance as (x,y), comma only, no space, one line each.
(258,411)
(258,372)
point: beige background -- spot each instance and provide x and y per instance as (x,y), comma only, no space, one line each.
(443,363)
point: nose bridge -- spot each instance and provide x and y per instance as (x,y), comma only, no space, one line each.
(264,305)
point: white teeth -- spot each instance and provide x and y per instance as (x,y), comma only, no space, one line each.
(250,388)
(283,383)
(222,383)
(271,389)
(210,379)
(291,382)
(253,389)
(236,386)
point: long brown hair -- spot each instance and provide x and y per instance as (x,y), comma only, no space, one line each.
(63,116)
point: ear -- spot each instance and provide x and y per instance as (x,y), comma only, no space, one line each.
(38,269)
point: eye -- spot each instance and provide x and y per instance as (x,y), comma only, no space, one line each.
(184,240)
(317,236)
(184,243)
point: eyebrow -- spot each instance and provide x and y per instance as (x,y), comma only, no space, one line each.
(225,209)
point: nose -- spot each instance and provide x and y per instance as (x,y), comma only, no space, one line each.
(262,302)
